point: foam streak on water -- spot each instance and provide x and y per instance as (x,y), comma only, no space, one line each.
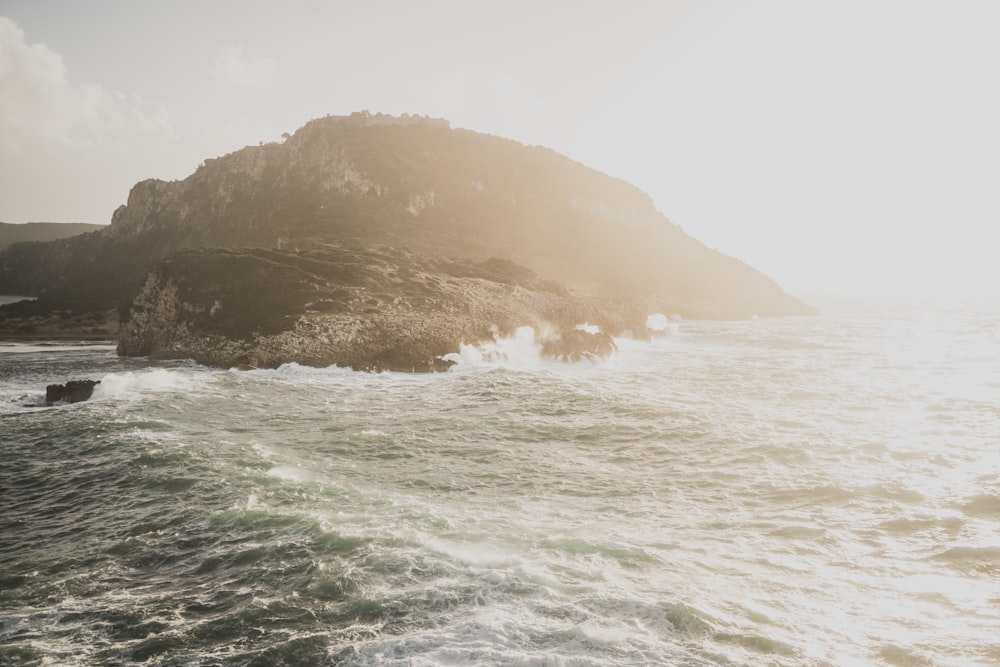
(814,491)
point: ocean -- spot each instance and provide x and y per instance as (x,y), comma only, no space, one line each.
(790,491)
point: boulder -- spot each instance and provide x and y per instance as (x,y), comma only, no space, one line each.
(73,391)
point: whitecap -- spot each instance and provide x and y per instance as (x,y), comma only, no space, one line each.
(521,350)
(291,474)
(123,385)
(661,324)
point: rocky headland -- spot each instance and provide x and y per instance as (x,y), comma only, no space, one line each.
(284,252)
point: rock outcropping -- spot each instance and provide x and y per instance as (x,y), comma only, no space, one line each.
(73,391)
(387,309)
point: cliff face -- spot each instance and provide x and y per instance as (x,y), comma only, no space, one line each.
(367,309)
(374,180)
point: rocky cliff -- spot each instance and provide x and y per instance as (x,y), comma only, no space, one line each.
(377,180)
(388,309)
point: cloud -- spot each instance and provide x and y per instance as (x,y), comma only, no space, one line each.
(69,151)
(233,68)
(37,101)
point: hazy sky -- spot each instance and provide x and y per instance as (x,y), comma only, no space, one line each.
(834,145)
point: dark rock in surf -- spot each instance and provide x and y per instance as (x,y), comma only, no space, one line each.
(73,391)
(578,344)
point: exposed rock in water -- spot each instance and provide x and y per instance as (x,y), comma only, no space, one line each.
(578,344)
(73,391)
(389,309)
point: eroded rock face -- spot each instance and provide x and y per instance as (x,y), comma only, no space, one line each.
(389,309)
(73,391)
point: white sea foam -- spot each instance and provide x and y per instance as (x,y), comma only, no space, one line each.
(473,553)
(522,350)
(294,371)
(154,380)
(21,402)
(325,376)
(291,473)
(660,323)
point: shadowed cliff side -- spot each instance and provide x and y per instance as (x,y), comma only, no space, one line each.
(389,309)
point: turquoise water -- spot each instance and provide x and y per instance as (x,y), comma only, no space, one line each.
(807,491)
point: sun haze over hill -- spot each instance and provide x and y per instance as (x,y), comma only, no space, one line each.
(371,180)
(845,145)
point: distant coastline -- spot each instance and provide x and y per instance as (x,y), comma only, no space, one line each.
(11,233)
(14,298)
(33,324)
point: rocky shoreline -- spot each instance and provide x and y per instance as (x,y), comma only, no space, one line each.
(373,310)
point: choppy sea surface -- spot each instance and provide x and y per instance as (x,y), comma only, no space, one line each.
(800,491)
